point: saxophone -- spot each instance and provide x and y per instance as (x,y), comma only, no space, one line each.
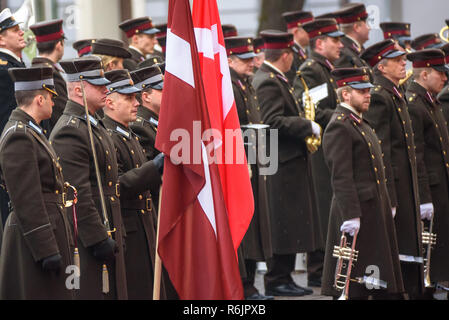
(313,142)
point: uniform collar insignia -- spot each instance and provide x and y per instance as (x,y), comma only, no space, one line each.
(154,121)
(35,127)
(355,118)
(241,85)
(92,120)
(429,97)
(396,91)
(329,64)
(122,132)
(282,78)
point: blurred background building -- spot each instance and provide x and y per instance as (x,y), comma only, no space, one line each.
(100,18)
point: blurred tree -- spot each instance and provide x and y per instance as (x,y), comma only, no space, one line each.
(271,13)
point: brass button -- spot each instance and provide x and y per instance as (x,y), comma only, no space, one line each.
(140,197)
(110,183)
(372,156)
(107,152)
(57,191)
(124,139)
(142,211)
(112,199)
(109,168)
(132,152)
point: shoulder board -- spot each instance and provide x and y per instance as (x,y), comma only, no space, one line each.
(412,98)
(74,122)
(377,88)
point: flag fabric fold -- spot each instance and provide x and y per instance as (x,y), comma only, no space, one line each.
(195,243)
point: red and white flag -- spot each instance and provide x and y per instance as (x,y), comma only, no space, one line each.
(233,166)
(195,243)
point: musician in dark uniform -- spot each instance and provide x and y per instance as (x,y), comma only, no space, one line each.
(142,39)
(294,21)
(325,48)
(399,31)
(137,178)
(229,30)
(38,244)
(427,41)
(71,140)
(11,45)
(50,44)
(112,53)
(259,51)
(432,149)
(292,207)
(443,96)
(352,21)
(360,203)
(389,116)
(255,245)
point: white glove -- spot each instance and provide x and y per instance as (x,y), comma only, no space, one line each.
(393,212)
(351,226)
(316,128)
(426,211)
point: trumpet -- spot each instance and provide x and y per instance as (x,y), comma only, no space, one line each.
(429,239)
(346,255)
(313,142)
(408,75)
(442,36)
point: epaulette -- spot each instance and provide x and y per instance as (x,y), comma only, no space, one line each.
(412,98)
(342,117)
(74,122)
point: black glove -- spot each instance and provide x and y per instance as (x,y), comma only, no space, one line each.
(105,250)
(159,162)
(52,263)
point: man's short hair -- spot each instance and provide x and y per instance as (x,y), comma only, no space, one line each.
(25,98)
(47,47)
(340,92)
(313,41)
(273,55)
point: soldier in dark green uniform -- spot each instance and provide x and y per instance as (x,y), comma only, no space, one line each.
(37,245)
(326,47)
(360,203)
(112,53)
(11,45)
(150,81)
(432,149)
(293,217)
(255,245)
(259,51)
(352,21)
(71,140)
(294,21)
(137,178)
(50,44)
(443,96)
(389,116)
(142,39)
(229,30)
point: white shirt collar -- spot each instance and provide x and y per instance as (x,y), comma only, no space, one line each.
(347,106)
(139,51)
(9,52)
(270,65)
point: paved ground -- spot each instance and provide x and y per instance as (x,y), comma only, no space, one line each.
(301,279)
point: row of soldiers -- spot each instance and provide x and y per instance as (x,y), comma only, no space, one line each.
(382,168)
(382,172)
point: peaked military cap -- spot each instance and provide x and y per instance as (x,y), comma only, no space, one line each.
(153,60)
(427,41)
(396,30)
(149,77)
(83,47)
(323,27)
(352,13)
(47,31)
(7,20)
(357,78)
(385,49)
(110,47)
(162,42)
(87,68)
(330,15)
(137,26)
(429,58)
(277,40)
(242,47)
(259,45)
(162,27)
(229,30)
(445,49)
(121,82)
(296,19)
(34,78)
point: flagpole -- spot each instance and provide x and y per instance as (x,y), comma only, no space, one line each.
(157,263)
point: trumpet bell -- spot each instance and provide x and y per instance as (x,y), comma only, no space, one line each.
(444,37)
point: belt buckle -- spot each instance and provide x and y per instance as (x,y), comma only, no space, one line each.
(117,190)
(148,204)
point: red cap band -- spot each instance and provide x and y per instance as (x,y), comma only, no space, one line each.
(298,23)
(388,34)
(240,50)
(279,45)
(374,60)
(323,31)
(428,43)
(344,82)
(358,17)
(142,27)
(50,37)
(429,63)
(228,34)
(85,50)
